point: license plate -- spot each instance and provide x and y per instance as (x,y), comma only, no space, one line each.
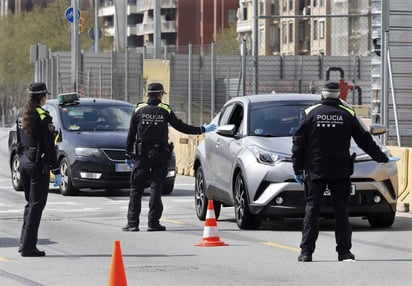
(352,191)
(121,167)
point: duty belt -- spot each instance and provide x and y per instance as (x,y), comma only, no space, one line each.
(30,152)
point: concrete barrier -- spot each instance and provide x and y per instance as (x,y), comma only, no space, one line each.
(185,148)
(404,176)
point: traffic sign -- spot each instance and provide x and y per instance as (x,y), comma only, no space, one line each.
(69,14)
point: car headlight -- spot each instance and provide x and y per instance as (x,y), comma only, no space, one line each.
(265,156)
(88,152)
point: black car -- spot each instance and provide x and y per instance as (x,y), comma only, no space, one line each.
(90,143)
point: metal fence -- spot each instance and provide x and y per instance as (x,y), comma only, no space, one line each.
(214,79)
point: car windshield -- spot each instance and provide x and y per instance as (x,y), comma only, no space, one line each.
(276,119)
(96,117)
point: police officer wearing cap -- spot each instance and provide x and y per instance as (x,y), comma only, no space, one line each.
(147,145)
(35,138)
(321,160)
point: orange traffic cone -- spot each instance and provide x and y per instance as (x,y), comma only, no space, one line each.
(210,233)
(117,275)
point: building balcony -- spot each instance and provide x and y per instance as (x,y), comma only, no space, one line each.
(106,11)
(244,26)
(146,5)
(148,28)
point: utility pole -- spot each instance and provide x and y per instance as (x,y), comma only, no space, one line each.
(75,47)
(255,45)
(96,26)
(156,30)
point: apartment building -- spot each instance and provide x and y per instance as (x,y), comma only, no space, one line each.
(296,27)
(181,21)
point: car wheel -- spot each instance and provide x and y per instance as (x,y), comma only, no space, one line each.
(66,187)
(244,219)
(201,199)
(200,195)
(168,187)
(381,220)
(15,173)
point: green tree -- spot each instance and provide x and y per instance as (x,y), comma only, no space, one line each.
(44,25)
(226,43)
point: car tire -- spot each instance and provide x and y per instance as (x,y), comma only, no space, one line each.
(201,200)
(244,219)
(381,220)
(200,195)
(168,187)
(15,173)
(66,187)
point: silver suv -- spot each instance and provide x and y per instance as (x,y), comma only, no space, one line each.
(246,163)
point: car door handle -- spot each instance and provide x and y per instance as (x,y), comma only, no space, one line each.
(217,144)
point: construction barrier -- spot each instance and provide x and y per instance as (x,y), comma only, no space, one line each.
(185,148)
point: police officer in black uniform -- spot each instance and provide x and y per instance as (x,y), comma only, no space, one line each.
(321,159)
(147,145)
(35,136)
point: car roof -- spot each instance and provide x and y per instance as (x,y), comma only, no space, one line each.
(276,97)
(94,101)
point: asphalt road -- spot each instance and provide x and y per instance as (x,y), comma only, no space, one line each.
(78,234)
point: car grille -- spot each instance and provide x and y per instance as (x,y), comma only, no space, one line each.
(115,154)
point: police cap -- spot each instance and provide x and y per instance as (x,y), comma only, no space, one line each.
(331,89)
(38,89)
(155,88)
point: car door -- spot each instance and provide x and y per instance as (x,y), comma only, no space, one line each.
(227,148)
(211,157)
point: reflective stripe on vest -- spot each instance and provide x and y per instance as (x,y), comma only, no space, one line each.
(41,112)
(161,105)
(348,109)
(310,108)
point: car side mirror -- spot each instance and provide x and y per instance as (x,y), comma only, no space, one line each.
(377,129)
(226,130)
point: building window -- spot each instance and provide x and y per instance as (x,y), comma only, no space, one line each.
(274,8)
(301,31)
(315,29)
(290,5)
(284,33)
(321,29)
(290,32)
(315,3)
(284,5)
(244,14)
(262,8)
(321,3)
(262,38)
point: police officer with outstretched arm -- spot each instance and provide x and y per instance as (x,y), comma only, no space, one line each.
(35,138)
(321,160)
(147,145)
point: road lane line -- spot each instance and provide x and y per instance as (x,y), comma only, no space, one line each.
(172,221)
(281,246)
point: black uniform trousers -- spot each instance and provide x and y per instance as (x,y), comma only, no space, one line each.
(36,187)
(340,192)
(153,170)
